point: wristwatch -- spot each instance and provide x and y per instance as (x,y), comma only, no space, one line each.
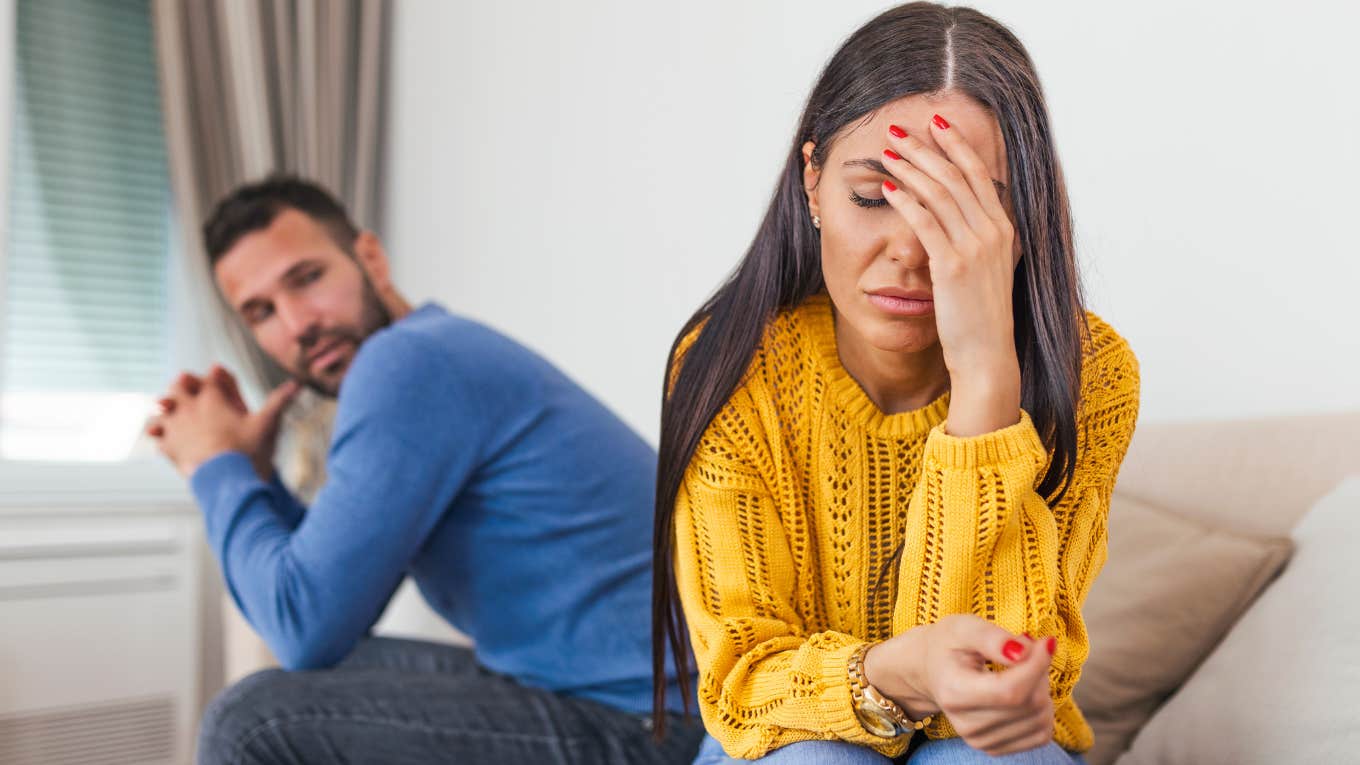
(878,714)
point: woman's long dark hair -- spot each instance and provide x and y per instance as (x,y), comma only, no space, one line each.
(914,48)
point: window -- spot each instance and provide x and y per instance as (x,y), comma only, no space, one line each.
(85,314)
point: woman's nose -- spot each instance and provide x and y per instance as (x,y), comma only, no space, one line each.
(906,250)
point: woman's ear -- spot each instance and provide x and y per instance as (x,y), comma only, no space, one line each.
(811,175)
(372,257)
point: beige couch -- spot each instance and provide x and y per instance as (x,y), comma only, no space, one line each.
(1206,515)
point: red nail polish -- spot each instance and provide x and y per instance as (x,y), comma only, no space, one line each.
(890,154)
(940,122)
(1012,650)
(897,131)
(1031,637)
(1052,646)
(890,186)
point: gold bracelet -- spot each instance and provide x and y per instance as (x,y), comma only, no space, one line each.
(878,714)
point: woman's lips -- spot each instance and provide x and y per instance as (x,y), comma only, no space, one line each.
(900,306)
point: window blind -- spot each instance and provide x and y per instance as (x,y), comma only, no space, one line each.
(85,305)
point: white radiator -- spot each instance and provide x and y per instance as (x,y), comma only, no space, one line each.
(101,630)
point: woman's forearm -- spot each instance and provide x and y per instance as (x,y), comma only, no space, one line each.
(983,402)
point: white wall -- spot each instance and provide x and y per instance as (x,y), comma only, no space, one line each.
(582,174)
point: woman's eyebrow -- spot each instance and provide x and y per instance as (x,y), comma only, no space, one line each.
(877,167)
(868,164)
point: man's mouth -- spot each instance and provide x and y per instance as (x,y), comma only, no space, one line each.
(327,355)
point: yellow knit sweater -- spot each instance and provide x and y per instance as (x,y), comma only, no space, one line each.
(802,490)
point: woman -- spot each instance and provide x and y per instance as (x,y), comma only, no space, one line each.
(889,440)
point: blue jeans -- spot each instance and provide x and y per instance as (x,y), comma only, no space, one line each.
(406,701)
(949,751)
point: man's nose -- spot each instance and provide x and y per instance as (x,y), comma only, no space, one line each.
(298,319)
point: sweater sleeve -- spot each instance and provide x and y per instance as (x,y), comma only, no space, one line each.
(289,509)
(981,540)
(312,583)
(764,681)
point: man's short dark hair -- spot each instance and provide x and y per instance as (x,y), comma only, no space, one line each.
(254,206)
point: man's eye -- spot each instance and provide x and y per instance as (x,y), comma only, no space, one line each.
(259,314)
(867,201)
(310,276)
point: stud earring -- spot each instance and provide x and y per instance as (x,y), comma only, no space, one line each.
(816,222)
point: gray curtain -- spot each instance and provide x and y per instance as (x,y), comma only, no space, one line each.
(251,87)
(254,86)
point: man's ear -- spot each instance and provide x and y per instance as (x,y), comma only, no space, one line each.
(372,258)
(811,175)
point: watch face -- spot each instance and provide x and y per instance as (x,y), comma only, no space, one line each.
(876,721)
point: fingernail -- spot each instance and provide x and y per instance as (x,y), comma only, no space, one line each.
(890,186)
(1052,645)
(940,122)
(1012,650)
(897,131)
(890,154)
(1031,637)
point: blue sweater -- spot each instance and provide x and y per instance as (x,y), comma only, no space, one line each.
(521,507)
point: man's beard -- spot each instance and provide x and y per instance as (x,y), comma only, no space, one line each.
(374,317)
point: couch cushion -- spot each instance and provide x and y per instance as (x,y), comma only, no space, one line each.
(1170,590)
(1260,474)
(1284,685)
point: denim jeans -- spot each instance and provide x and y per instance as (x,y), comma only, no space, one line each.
(950,751)
(404,701)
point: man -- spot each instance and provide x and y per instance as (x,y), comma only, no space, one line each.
(519,504)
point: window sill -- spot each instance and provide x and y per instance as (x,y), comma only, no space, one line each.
(143,485)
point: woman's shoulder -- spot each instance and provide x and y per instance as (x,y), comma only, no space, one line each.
(1103,336)
(787,339)
(794,335)
(1109,370)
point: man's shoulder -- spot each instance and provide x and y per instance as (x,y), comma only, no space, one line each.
(432,336)
(434,351)
(433,323)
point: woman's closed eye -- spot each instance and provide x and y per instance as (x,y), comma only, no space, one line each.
(867,201)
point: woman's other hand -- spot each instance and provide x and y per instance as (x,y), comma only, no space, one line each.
(942,668)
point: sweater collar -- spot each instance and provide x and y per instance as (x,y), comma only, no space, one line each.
(845,393)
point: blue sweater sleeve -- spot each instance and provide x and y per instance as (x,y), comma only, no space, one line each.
(290,511)
(313,583)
